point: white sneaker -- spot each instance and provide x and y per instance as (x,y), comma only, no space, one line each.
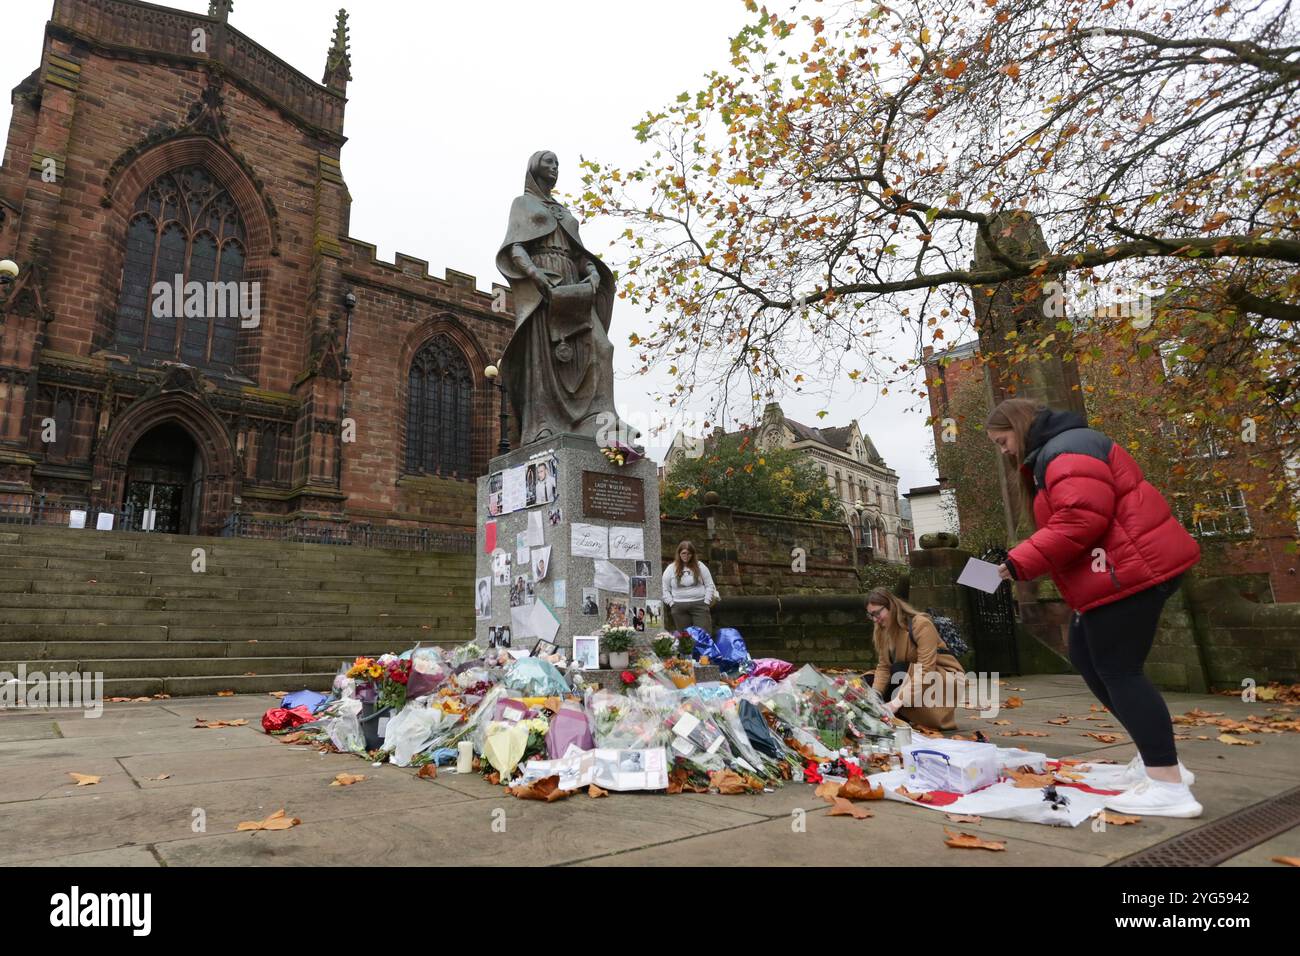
(1153,798)
(1136,772)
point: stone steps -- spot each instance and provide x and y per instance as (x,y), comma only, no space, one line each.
(263,616)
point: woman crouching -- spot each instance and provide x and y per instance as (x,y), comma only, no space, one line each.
(915,671)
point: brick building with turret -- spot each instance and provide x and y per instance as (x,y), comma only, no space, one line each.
(151,144)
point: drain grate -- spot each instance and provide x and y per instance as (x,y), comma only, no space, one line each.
(1223,839)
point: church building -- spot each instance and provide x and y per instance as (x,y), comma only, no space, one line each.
(192,334)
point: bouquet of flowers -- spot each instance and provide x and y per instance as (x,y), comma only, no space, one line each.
(831,718)
(392,689)
(616,637)
(367,673)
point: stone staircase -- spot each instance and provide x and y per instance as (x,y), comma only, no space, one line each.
(262,616)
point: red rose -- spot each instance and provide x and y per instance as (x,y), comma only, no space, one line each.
(628,677)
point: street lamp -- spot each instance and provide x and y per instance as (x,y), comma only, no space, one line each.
(8,271)
(492,374)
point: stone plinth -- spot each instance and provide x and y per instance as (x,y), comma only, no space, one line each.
(575,456)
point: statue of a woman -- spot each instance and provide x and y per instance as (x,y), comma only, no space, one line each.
(559,364)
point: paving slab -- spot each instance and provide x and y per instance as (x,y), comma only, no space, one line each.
(166,810)
(1287,844)
(527,832)
(128,856)
(137,742)
(879,841)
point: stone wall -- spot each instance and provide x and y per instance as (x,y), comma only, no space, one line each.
(1240,639)
(828,630)
(750,553)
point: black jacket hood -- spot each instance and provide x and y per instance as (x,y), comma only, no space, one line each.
(1046,425)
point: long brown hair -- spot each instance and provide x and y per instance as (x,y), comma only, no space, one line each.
(693,564)
(1017,415)
(901,615)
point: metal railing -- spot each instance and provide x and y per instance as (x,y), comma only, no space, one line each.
(356,534)
(27,510)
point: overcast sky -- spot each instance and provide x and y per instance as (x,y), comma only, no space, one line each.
(447,102)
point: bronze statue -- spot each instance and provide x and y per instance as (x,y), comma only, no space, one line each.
(559,364)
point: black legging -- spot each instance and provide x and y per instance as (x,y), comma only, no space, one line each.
(1108,646)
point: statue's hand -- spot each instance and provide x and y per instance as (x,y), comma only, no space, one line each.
(543,285)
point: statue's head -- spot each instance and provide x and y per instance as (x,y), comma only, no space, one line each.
(544,169)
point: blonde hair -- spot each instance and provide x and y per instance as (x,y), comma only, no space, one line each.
(901,615)
(1017,415)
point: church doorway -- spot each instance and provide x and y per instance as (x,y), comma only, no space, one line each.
(164,481)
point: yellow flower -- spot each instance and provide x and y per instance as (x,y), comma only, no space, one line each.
(376,671)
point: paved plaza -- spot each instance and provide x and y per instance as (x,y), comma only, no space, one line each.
(158,775)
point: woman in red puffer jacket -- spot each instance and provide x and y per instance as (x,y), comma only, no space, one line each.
(1116,552)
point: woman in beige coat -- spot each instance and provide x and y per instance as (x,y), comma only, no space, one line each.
(909,650)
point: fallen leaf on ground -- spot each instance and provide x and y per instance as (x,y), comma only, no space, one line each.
(1024,733)
(1104,738)
(918,797)
(1098,709)
(493,778)
(428,772)
(161,776)
(84,779)
(963,818)
(828,790)
(1001,723)
(1286,860)
(859,789)
(279,694)
(969,841)
(347,779)
(1027,781)
(119,700)
(209,724)
(1060,721)
(728,782)
(141,700)
(225,693)
(927,731)
(162,696)
(276,821)
(1066,775)
(1118,819)
(548,789)
(847,808)
(679,781)
(1014,702)
(1229,739)
(594,791)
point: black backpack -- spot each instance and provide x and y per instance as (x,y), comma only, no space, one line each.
(949,633)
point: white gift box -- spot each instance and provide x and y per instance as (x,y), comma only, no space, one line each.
(956,766)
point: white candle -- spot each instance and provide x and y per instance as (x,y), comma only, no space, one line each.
(465,757)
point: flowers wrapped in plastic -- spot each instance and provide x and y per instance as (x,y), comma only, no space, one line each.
(628,722)
(417,728)
(697,738)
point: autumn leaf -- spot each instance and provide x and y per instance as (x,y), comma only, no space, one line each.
(1118,819)
(225,693)
(918,797)
(279,694)
(846,808)
(548,789)
(728,782)
(955,70)
(209,724)
(594,792)
(347,779)
(84,779)
(857,788)
(1286,860)
(1012,70)
(1030,781)
(1238,741)
(276,821)
(1014,702)
(1024,733)
(969,841)
(1060,721)
(828,791)
(161,776)
(963,818)
(1104,738)
(679,781)
(429,771)
(1001,723)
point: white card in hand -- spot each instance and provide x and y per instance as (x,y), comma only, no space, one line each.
(980,575)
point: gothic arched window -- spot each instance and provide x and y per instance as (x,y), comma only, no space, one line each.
(184,224)
(440,391)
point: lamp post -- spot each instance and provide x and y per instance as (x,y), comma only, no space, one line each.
(8,271)
(492,374)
